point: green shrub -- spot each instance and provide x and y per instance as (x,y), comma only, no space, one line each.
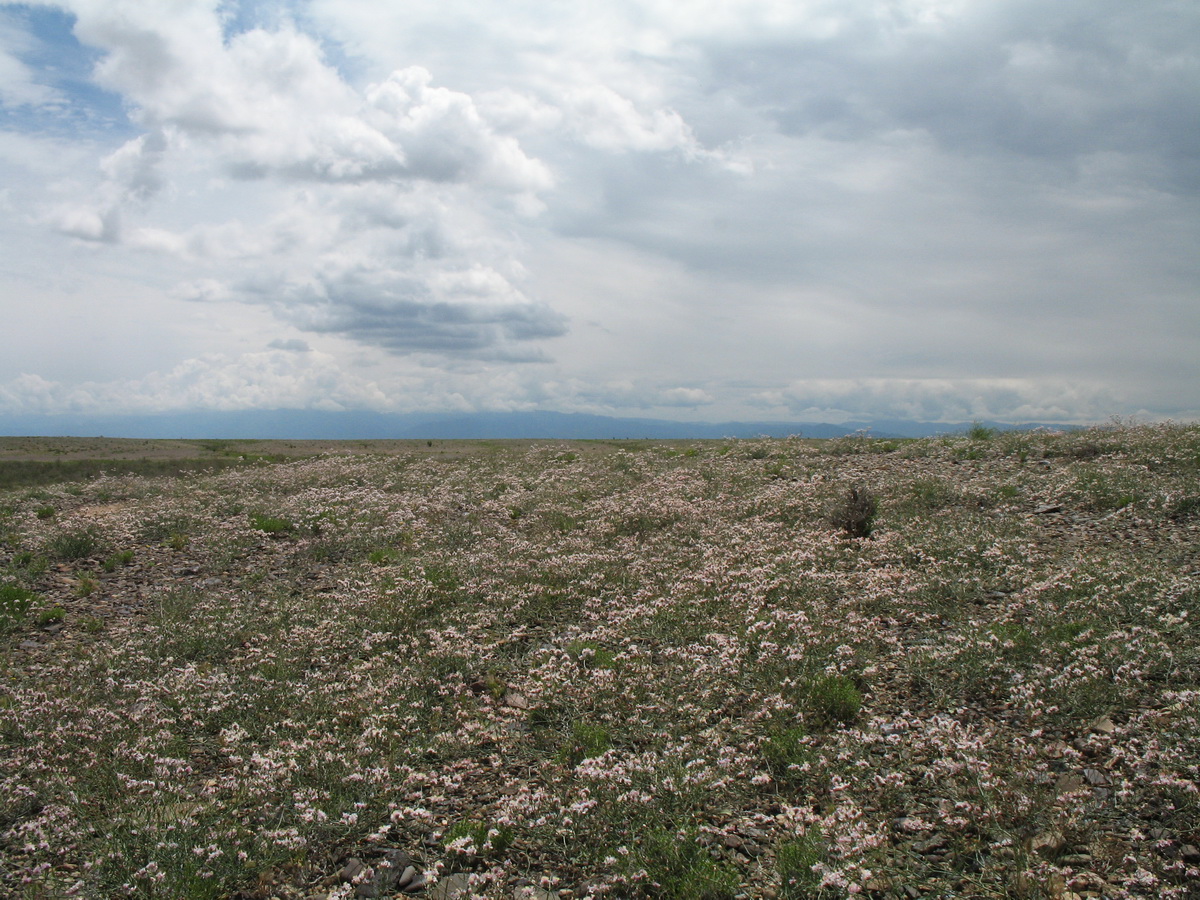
(784,749)
(587,741)
(45,512)
(14,604)
(485,840)
(682,869)
(117,560)
(75,543)
(833,700)
(980,432)
(271,525)
(930,494)
(51,615)
(591,655)
(795,860)
(384,556)
(29,565)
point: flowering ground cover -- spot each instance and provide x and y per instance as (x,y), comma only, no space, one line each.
(957,667)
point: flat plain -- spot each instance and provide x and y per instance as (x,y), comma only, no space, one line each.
(964,666)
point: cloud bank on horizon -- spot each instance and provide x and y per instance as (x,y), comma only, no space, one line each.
(818,210)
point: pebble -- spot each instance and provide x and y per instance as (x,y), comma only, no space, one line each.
(932,845)
(452,887)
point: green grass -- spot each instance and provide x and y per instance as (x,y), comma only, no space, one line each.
(75,543)
(14,605)
(31,473)
(272,525)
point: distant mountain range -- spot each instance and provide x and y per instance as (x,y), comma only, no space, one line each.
(295,424)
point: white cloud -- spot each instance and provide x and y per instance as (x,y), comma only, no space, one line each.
(685,397)
(944,400)
(922,208)
(19,83)
(272,379)
(18,86)
(407,182)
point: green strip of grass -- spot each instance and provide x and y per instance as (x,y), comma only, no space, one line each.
(30,473)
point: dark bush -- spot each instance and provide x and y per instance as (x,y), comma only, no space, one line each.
(855,515)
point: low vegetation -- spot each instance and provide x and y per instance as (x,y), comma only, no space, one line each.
(958,667)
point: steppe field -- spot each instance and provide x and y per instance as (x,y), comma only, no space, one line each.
(965,666)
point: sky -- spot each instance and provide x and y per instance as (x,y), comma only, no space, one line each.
(801,210)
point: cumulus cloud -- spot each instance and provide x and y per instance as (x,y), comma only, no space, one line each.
(390,247)
(269,103)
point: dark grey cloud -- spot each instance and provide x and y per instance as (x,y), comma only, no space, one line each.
(294,345)
(1053,80)
(465,314)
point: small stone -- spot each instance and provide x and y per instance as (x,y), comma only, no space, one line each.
(1046,844)
(1102,725)
(398,859)
(1047,509)
(1067,784)
(453,887)
(1096,778)
(1087,881)
(415,885)
(932,845)
(1190,854)
(351,869)
(515,700)
(533,892)
(406,877)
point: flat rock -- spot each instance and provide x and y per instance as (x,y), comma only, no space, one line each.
(452,887)
(932,845)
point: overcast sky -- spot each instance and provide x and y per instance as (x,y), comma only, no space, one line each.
(696,209)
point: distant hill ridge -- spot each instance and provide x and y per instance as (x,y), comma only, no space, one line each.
(288,424)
